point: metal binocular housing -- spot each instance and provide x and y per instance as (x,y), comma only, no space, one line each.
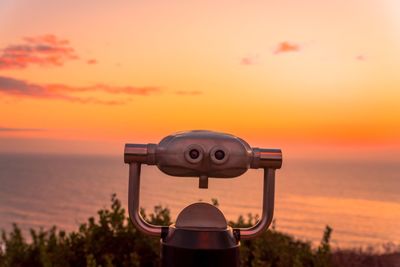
(201,235)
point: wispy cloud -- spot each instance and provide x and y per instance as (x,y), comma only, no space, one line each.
(189,93)
(129,90)
(7,129)
(45,50)
(285,47)
(91,61)
(361,58)
(21,88)
(249,60)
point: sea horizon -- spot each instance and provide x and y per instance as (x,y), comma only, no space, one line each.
(360,203)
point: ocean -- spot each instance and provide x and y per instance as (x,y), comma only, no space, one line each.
(359,199)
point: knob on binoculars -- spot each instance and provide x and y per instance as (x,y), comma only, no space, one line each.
(201,230)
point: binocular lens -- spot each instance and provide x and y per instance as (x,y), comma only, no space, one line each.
(219,155)
(194,153)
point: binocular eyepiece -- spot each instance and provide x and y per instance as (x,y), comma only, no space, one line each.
(203,154)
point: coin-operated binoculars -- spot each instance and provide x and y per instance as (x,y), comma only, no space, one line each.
(201,235)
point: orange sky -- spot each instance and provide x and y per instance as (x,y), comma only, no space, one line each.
(279,73)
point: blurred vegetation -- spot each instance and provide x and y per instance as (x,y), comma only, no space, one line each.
(111,240)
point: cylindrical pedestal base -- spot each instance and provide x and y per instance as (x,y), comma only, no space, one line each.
(182,257)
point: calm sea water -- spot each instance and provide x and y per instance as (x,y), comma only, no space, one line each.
(360,200)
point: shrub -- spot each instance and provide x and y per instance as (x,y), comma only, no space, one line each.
(111,240)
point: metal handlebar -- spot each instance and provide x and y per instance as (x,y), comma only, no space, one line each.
(267,209)
(133,203)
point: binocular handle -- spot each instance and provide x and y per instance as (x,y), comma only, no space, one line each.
(155,230)
(133,203)
(267,208)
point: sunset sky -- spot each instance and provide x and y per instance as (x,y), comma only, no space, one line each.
(88,76)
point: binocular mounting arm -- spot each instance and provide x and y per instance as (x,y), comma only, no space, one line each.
(133,203)
(267,209)
(156,230)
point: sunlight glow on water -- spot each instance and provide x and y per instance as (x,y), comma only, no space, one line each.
(360,203)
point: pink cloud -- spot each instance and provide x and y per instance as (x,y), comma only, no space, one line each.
(50,39)
(45,50)
(285,47)
(129,90)
(248,61)
(360,58)
(21,88)
(91,61)
(79,94)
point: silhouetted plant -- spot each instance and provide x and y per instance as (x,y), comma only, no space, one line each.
(111,240)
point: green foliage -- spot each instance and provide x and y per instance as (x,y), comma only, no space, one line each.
(111,240)
(274,249)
